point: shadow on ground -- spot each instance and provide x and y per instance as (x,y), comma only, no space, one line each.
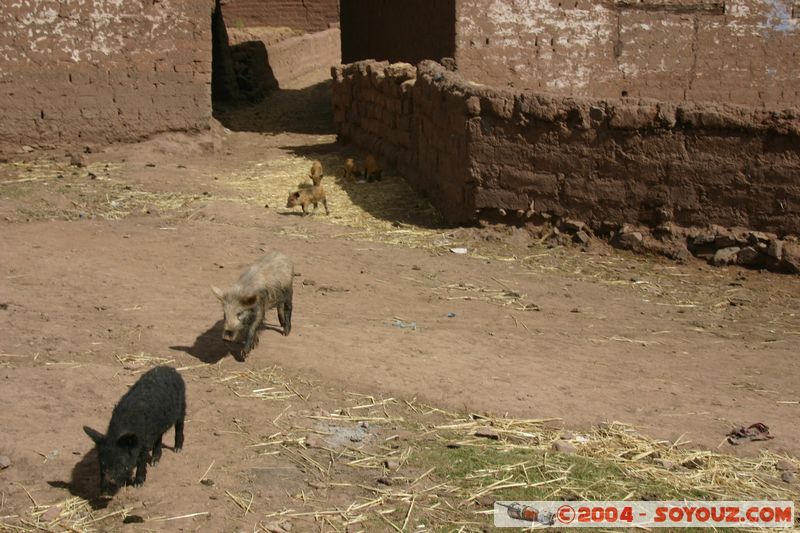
(85,481)
(392,199)
(305,110)
(208,347)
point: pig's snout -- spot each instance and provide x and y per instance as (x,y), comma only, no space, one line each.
(109,488)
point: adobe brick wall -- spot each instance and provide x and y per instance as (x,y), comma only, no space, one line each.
(414,126)
(733,51)
(306,15)
(103,71)
(397,30)
(621,161)
(284,62)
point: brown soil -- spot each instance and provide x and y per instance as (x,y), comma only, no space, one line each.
(681,351)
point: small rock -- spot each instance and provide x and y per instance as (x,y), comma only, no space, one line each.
(77,159)
(667,464)
(277,527)
(317,485)
(582,237)
(725,241)
(704,240)
(775,248)
(473,106)
(785,466)
(565,447)
(308,282)
(356,438)
(391,464)
(487,433)
(747,256)
(51,514)
(207,482)
(572,225)
(725,256)
(314,441)
(486,501)
(27,149)
(791,256)
(364,425)
(567,436)
(788,477)
(5,462)
(151,165)
(754,237)
(629,240)
(575,310)
(453,445)
(133,519)
(385,481)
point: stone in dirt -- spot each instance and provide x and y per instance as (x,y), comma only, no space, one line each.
(582,237)
(391,464)
(565,447)
(788,477)
(487,433)
(77,159)
(51,514)
(791,256)
(725,241)
(785,466)
(775,248)
(629,240)
(725,256)
(5,462)
(705,239)
(748,256)
(572,225)
(278,527)
(314,441)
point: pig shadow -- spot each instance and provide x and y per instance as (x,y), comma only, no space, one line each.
(209,347)
(85,481)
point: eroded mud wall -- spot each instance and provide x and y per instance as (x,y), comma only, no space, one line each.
(733,51)
(103,71)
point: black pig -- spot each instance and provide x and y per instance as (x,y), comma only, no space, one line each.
(154,404)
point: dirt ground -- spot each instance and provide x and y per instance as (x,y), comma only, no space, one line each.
(106,269)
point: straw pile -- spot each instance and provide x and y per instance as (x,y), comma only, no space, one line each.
(95,191)
(387,211)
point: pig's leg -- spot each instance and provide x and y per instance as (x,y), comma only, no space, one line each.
(179,433)
(281,315)
(141,468)
(157,451)
(287,313)
(252,332)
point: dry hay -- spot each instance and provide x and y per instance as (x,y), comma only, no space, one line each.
(95,192)
(73,514)
(141,360)
(413,487)
(388,211)
(415,490)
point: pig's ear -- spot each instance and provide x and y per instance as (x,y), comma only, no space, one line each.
(217,292)
(128,440)
(96,436)
(248,301)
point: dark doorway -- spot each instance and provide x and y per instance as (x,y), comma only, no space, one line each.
(398,30)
